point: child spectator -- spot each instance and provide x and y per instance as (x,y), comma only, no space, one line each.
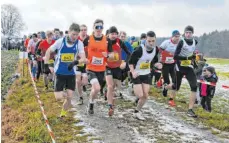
(207,91)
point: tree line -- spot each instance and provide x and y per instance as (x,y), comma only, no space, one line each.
(214,44)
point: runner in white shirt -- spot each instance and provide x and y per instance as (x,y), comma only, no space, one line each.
(168,48)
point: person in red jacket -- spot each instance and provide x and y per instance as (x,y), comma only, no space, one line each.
(114,67)
(43,47)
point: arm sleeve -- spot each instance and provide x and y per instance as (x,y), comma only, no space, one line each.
(109,45)
(135,56)
(38,52)
(123,46)
(85,42)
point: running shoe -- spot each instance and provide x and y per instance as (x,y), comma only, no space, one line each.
(139,116)
(63,113)
(91,108)
(80,101)
(191,113)
(111,111)
(172,103)
(165,91)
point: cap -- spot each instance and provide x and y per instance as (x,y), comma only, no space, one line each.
(175,32)
(132,38)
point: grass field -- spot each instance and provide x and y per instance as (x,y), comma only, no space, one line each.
(9,61)
(22,120)
(218,61)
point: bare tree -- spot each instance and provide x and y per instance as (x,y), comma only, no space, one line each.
(11,20)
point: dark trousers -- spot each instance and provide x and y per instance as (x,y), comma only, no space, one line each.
(206,103)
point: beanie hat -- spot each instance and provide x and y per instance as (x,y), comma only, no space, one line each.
(175,32)
(210,69)
(113,29)
(189,28)
(143,36)
(133,38)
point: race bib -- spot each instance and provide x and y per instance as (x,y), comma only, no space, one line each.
(186,63)
(144,65)
(169,60)
(116,57)
(67,57)
(51,61)
(97,61)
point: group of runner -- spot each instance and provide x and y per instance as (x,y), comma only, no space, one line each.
(76,60)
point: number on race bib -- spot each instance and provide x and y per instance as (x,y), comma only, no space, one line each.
(67,57)
(97,61)
(144,65)
(186,63)
(169,60)
(116,57)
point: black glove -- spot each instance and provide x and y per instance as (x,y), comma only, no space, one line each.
(72,64)
(192,57)
(46,69)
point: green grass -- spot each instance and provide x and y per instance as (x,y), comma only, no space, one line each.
(222,74)
(218,61)
(22,120)
(9,60)
(124,104)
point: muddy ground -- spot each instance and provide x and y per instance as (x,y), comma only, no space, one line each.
(163,123)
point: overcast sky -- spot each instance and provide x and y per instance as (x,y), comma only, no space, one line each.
(133,16)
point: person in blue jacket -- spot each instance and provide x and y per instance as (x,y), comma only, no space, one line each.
(122,36)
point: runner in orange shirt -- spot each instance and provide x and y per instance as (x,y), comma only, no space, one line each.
(99,48)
